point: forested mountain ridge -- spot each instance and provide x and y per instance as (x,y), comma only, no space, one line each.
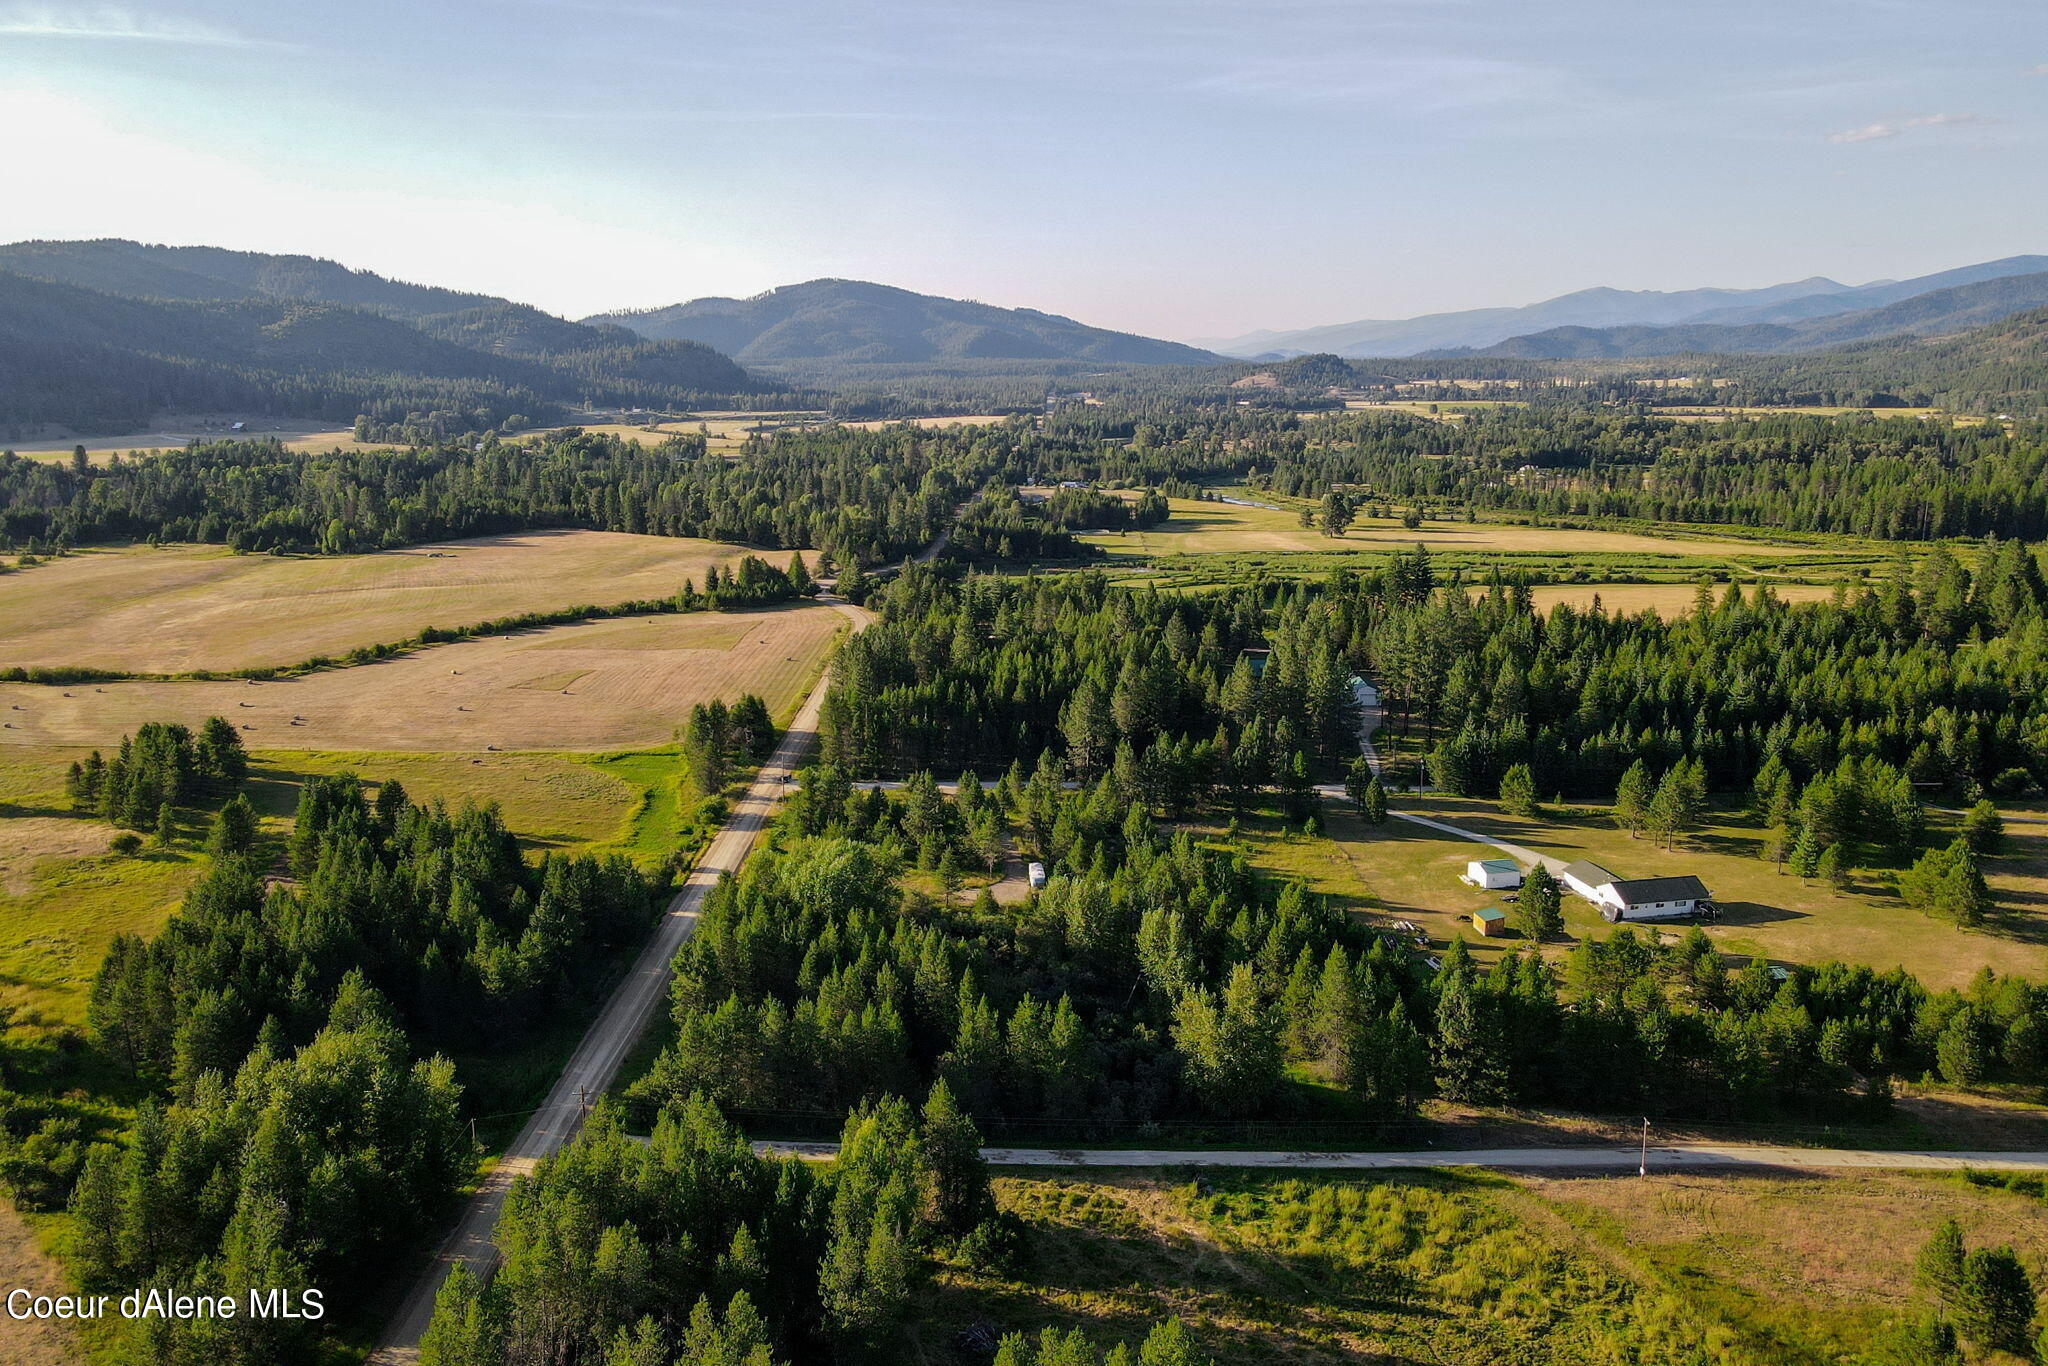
(854,321)
(1790,303)
(115,265)
(99,361)
(1937,312)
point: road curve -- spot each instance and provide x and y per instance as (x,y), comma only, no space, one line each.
(595,1063)
(1605,1157)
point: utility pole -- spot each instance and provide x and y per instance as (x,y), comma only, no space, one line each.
(583,1105)
(1643,1162)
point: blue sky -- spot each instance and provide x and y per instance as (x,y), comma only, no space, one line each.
(1198,168)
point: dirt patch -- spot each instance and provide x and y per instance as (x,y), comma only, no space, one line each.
(26,841)
(24,1265)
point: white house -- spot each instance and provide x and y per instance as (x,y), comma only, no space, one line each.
(1493,873)
(1644,898)
(1587,878)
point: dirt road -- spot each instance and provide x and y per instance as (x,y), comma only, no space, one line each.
(596,1060)
(1605,1157)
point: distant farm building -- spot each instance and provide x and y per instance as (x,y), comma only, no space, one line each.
(1490,922)
(1493,873)
(1645,898)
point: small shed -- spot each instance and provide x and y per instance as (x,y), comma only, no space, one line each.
(1490,922)
(1035,875)
(1494,873)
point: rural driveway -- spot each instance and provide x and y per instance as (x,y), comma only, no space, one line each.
(595,1063)
(1606,1157)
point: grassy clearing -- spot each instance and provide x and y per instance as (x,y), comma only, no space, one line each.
(63,896)
(1666,599)
(1432,1268)
(203,607)
(176,431)
(1405,871)
(1203,528)
(1813,1264)
(606,685)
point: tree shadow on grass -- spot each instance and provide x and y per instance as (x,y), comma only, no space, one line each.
(1107,1270)
(1756,913)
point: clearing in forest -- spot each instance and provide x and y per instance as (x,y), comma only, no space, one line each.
(623,683)
(181,608)
(1668,600)
(1203,528)
(1404,871)
(1466,1267)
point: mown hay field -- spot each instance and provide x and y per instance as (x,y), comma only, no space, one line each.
(1199,528)
(1667,600)
(623,683)
(181,608)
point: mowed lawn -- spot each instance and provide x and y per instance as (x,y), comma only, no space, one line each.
(621,683)
(181,608)
(1406,871)
(1197,528)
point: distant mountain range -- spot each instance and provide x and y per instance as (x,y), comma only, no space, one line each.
(853,322)
(101,335)
(1615,322)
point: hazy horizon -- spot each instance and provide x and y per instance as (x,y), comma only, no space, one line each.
(1196,170)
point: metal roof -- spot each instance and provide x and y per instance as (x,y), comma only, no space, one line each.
(1499,865)
(1636,891)
(1590,873)
(1490,913)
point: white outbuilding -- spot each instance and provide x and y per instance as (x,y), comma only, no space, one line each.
(1494,873)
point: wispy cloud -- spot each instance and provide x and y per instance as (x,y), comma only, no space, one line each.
(116,25)
(2041,70)
(1877,132)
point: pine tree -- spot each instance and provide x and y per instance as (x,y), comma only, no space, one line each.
(1518,791)
(1539,910)
(1940,1267)
(1995,1303)
(1632,798)
(956,1196)
(1375,804)
(234,829)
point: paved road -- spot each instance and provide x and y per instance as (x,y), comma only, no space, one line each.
(596,1061)
(1606,1157)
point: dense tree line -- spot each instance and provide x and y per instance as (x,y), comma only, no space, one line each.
(439,911)
(159,768)
(1157,978)
(853,502)
(295,1133)
(688,1249)
(285,1170)
(986,671)
(1899,478)
(1938,672)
